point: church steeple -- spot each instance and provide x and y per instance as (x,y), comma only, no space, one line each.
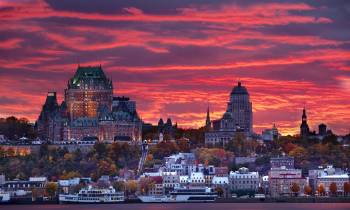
(304,127)
(207,121)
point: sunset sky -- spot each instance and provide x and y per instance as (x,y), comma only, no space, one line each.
(174,57)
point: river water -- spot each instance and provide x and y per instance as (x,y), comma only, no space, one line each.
(187,206)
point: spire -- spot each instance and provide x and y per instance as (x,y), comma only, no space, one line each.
(304,127)
(304,117)
(207,121)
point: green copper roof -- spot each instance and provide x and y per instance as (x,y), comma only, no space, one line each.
(86,74)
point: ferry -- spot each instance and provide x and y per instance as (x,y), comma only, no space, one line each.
(4,197)
(93,195)
(198,194)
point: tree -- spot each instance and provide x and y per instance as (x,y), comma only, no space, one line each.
(70,175)
(119,185)
(219,191)
(51,189)
(295,188)
(131,187)
(307,190)
(146,184)
(321,190)
(101,150)
(333,188)
(346,188)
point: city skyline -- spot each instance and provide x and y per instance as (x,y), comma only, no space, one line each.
(173,59)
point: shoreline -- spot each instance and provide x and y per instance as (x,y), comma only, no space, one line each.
(218,201)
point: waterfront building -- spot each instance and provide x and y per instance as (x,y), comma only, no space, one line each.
(184,180)
(25,186)
(221,182)
(89,110)
(244,180)
(327,176)
(282,179)
(197,179)
(171,180)
(156,189)
(237,118)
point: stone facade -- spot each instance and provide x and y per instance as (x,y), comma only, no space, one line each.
(244,180)
(89,110)
(237,118)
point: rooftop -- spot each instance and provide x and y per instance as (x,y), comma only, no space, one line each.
(239,90)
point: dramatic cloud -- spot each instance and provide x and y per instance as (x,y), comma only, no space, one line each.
(178,57)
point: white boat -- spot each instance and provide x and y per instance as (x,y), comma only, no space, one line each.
(198,194)
(154,198)
(93,195)
(4,197)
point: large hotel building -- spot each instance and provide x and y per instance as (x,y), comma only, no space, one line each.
(89,110)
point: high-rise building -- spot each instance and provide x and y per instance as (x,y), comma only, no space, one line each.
(237,118)
(240,109)
(89,110)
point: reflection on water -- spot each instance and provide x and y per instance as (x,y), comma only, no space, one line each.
(188,206)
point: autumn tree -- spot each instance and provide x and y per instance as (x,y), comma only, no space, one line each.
(119,185)
(307,190)
(346,188)
(70,175)
(145,185)
(333,188)
(295,188)
(51,189)
(219,191)
(131,187)
(321,190)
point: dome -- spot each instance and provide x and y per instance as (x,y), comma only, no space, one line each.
(239,90)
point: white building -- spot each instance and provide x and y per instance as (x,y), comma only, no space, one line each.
(184,180)
(331,175)
(179,163)
(220,181)
(244,180)
(197,178)
(171,180)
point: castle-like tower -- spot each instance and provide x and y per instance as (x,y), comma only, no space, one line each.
(88,91)
(89,111)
